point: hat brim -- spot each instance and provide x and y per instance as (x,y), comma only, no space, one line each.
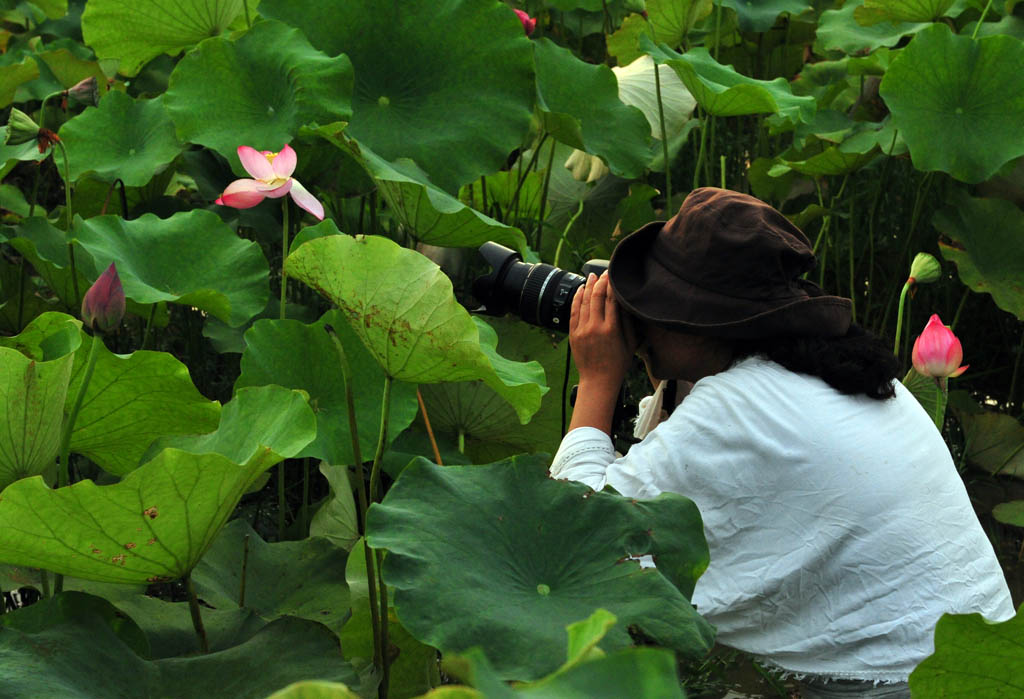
(648,290)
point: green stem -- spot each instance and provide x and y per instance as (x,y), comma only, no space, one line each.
(959,308)
(565,233)
(544,200)
(304,508)
(245,565)
(248,19)
(68,211)
(899,317)
(721,170)
(149,326)
(64,472)
(700,153)
(284,253)
(197,619)
(282,503)
(981,19)
(44,580)
(1016,371)
(385,657)
(462,441)
(851,264)
(378,457)
(664,137)
(357,455)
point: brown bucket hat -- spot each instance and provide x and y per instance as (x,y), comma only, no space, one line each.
(727,265)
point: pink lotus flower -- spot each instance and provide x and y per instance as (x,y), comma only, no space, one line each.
(273,178)
(937,351)
(103,303)
(529,23)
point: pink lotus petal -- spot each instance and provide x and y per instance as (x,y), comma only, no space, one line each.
(284,162)
(242,194)
(255,163)
(282,190)
(305,200)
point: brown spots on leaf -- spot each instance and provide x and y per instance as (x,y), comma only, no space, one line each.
(151,512)
(159,578)
(130,545)
(119,558)
(96,551)
(150,542)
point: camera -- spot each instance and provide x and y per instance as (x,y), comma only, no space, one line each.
(540,294)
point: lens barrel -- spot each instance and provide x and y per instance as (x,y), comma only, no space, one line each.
(540,294)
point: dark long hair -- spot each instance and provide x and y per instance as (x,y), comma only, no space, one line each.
(858,363)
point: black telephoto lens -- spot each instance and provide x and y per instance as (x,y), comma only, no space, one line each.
(539,293)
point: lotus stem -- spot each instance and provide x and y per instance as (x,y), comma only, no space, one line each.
(357,456)
(282,502)
(544,200)
(304,507)
(69,217)
(664,135)
(149,326)
(565,233)
(959,308)
(248,19)
(245,565)
(284,253)
(899,317)
(385,659)
(700,153)
(529,168)
(382,441)
(197,619)
(430,432)
(974,34)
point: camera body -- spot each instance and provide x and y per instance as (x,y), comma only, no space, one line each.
(540,294)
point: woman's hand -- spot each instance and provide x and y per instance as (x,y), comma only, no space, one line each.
(602,346)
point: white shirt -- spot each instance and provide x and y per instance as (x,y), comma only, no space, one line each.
(838,527)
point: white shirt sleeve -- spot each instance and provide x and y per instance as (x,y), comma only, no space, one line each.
(584,456)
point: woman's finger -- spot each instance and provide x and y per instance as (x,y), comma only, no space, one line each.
(574,313)
(587,302)
(598,299)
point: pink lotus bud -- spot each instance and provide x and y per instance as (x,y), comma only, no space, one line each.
(529,23)
(103,304)
(937,351)
(85,91)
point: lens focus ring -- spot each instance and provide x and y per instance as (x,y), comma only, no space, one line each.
(529,301)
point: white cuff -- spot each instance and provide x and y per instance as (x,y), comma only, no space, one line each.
(584,456)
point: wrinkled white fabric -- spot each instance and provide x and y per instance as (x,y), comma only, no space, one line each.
(838,527)
(650,413)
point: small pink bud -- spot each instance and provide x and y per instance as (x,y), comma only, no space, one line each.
(103,304)
(529,23)
(85,91)
(937,351)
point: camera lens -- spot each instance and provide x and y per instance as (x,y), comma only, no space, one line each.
(540,294)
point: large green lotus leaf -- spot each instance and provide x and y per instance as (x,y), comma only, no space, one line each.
(70,606)
(169,630)
(966,89)
(760,15)
(839,31)
(257,90)
(490,426)
(973,658)
(831,161)
(929,394)
(432,216)
(132,400)
(521,555)
(122,138)
(152,526)
(13,76)
(336,520)
(875,11)
(456,98)
(579,105)
(993,442)
(316,689)
(300,356)
(136,31)
(62,660)
(259,427)
(401,306)
(984,240)
(192,258)
(288,578)
(35,368)
(721,91)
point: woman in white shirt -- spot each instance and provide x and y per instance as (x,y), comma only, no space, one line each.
(838,527)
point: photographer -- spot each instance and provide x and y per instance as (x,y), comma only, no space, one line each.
(838,527)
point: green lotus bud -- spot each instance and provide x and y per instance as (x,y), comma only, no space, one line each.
(20,128)
(925,269)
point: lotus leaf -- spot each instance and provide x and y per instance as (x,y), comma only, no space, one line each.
(966,89)
(287,578)
(401,306)
(875,11)
(180,259)
(61,660)
(1010,512)
(130,401)
(303,357)
(13,76)
(760,15)
(456,98)
(35,368)
(152,526)
(336,519)
(257,90)
(984,241)
(839,31)
(928,393)
(993,442)
(430,215)
(830,161)
(579,105)
(135,31)
(973,658)
(523,555)
(721,91)
(315,689)
(124,139)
